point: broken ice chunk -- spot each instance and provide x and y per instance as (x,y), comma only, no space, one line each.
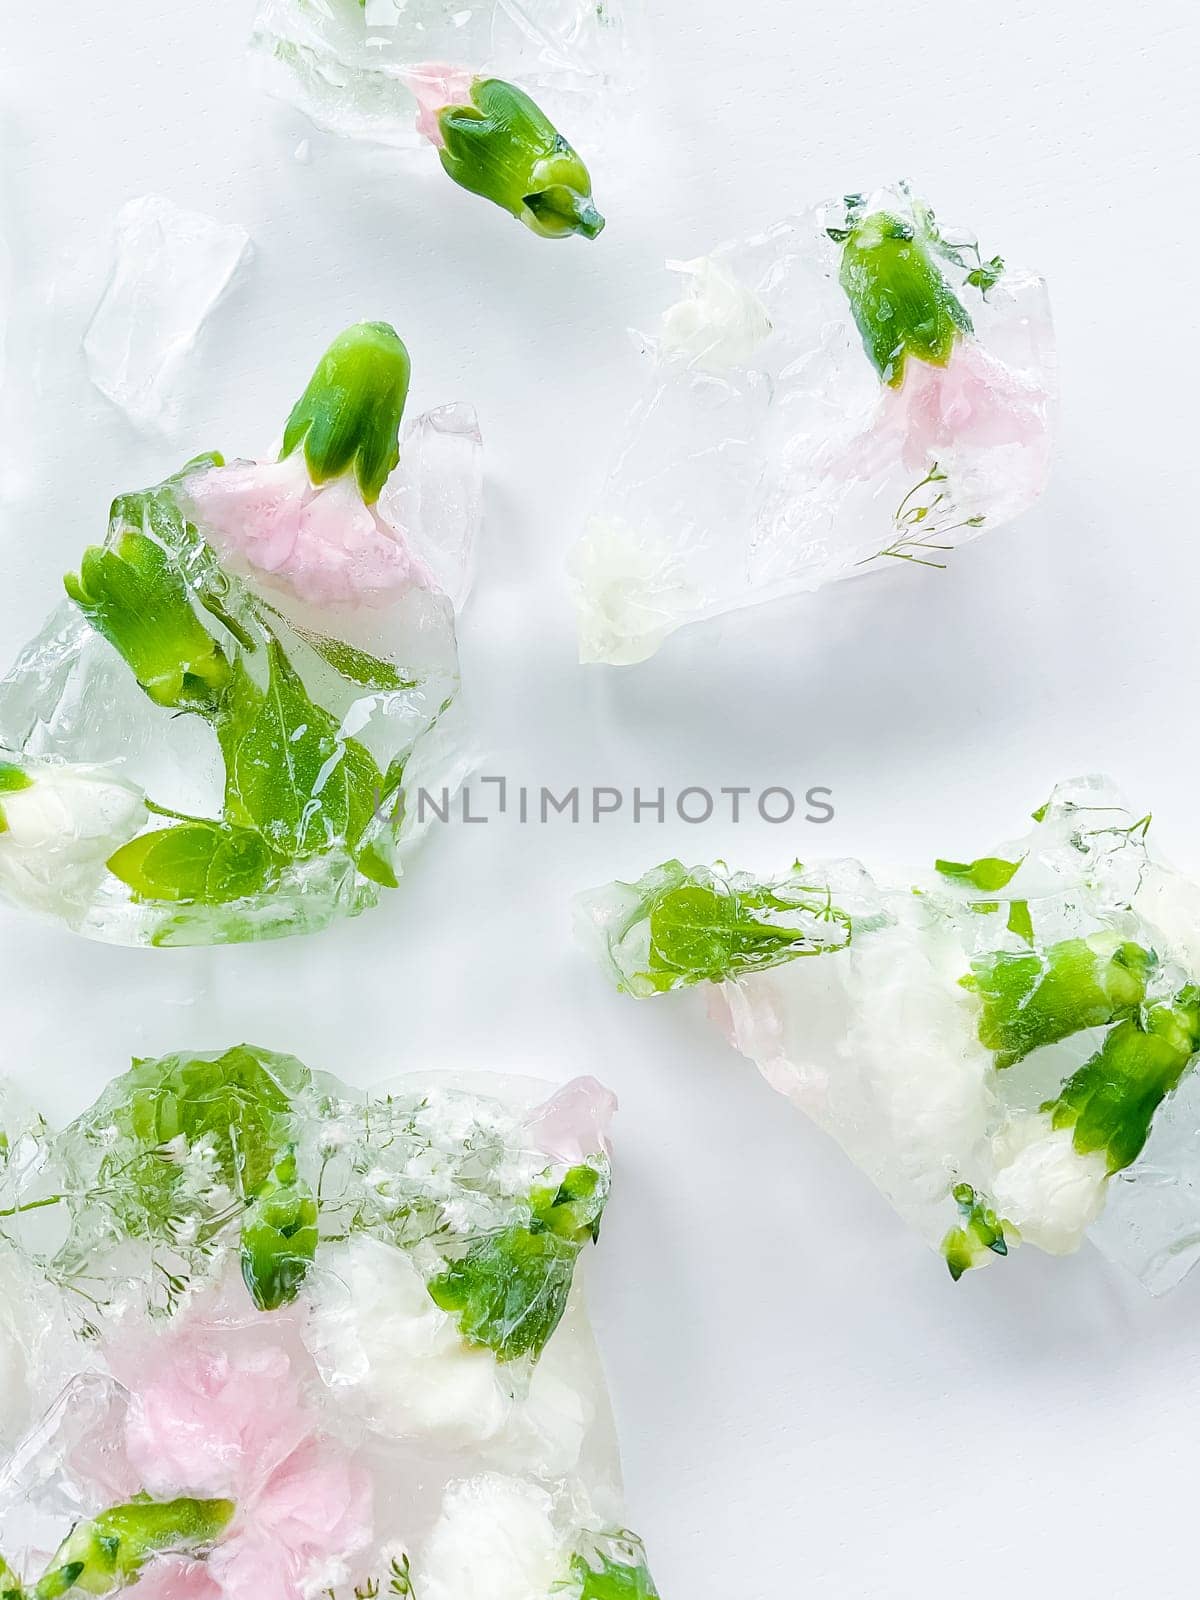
(421,1400)
(170,269)
(1005,1051)
(853,386)
(208,743)
(349,66)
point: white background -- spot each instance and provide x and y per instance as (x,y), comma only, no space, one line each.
(807,1405)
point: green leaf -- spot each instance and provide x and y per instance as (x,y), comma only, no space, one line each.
(350,413)
(235,1105)
(981,1231)
(203,862)
(13,778)
(1019,920)
(356,666)
(289,772)
(902,304)
(132,592)
(503,146)
(108,1552)
(279,1236)
(988,873)
(1035,999)
(986,275)
(510,1289)
(702,932)
(1110,1101)
(612,1580)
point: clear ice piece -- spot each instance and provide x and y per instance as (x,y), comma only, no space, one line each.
(211,741)
(343,62)
(768,455)
(170,269)
(988,1047)
(421,1398)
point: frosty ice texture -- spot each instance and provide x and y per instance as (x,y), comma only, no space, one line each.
(170,268)
(990,1047)
(777,448)
(344,63)
(211,739)
(420,1401)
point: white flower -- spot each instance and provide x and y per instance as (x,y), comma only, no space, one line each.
(59,832)
(495,1539)
(397,1358)
(1048,1191)
(720,324)
(630,591)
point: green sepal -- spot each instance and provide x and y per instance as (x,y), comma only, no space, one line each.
(1035,999)
(981,1232)
(611,1580)
(12,781)
(573,1208)
(1110,1101)
(901,302)
(107,1553)
(132,593)
(510,1290)
(350,414)
(197,862)
(279,1237)
(503,146)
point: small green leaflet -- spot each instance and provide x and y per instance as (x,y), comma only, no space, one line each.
(988,873)
(699,934)
(353,664)
(208,863)
(12,780)
(289,772)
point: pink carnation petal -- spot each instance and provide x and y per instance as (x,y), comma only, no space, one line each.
(573,1124)
(436,85)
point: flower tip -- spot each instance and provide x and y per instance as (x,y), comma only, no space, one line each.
(558,211)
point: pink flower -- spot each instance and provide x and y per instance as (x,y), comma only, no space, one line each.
(322,543)
(222,1415)
(974,402)
(573,1124)
(436,85)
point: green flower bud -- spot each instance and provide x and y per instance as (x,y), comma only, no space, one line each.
(1030,1000)
(279,1237)
(107,1553)
(504,147)
(350,413)
(901,302)
(133,594)
(1110,1101)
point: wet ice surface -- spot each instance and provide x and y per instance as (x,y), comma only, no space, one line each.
(367,1426)
(887,1038)
(343,63)
(170,269)
(767,456)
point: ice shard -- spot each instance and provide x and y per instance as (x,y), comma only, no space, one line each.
(317,1341)
(1005,1046)
(855,387)
(211,738)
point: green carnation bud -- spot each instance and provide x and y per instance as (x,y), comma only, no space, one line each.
(504,147)
(1034,999)
(108,1552)
(350,413)
(901,302)
(279,1237)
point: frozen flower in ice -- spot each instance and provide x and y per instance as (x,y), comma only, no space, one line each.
(222,1415)
(574,1123)
(58,826)
(720,324)
(310,519)
(497,142)
(630,589)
